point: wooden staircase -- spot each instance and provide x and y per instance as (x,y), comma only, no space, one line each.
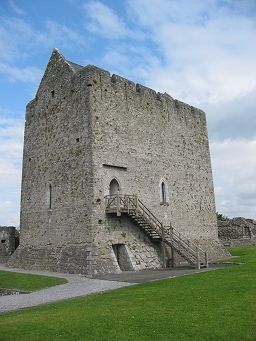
(147,221)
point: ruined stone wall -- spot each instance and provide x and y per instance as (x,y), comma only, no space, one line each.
(7,242)
(57,168)
(237,231)
(152,137)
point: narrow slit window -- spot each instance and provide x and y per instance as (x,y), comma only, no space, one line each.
(50,196)
(163,192)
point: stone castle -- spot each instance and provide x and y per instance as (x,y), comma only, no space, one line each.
(115,176)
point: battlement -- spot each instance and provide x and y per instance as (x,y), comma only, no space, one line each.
(97,74)
(66,76)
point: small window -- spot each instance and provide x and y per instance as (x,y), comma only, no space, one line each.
(163,193)
(50,196)
(52,93)
(246,231)
(3,241)
(77,139)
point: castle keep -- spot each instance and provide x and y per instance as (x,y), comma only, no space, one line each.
(115,176)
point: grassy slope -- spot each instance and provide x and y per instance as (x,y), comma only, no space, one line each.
(218,305)
(27,282)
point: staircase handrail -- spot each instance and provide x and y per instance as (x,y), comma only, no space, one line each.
(173,232)
(168,231)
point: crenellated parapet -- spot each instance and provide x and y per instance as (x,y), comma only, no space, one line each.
(96,77)
(64,79)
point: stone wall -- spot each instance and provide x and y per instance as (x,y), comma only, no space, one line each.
(7,242)
(142,138)
(57,179)
(237,231)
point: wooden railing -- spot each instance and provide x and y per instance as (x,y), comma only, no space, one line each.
(134,207)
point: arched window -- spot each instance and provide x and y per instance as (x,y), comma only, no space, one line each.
(163,193)
(114,187)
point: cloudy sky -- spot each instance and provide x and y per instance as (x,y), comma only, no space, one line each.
(202,52)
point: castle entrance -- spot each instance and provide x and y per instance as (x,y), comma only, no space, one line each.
(122,257)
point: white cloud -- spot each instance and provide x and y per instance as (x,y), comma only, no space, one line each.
(9,213)
(60,35)
(15,33)
(234,165)
(232,119)
(15,8)
(119,59)
(103,20)
(27,74)
(209,49)
(11,141)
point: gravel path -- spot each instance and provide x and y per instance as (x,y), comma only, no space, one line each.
(77,285)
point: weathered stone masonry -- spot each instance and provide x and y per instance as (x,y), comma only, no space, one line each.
(86,128)
(237,231)
(7,242)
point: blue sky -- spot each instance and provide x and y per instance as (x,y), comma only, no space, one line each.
(202,52)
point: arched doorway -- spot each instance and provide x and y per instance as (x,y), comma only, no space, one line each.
(114,187)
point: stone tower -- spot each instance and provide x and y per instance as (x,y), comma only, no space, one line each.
(88,135)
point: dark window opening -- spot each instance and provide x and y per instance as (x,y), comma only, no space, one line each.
(114,166)
(50,196)
(77,139)
(163,193)
(3,241)
(53,93)
(246,232)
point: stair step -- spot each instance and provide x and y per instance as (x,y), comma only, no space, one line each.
(152,227)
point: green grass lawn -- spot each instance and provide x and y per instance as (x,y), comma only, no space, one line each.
(217,305)
(27,282)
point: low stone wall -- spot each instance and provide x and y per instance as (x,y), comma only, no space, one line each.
(237,231)
(5,292)
(7,242)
